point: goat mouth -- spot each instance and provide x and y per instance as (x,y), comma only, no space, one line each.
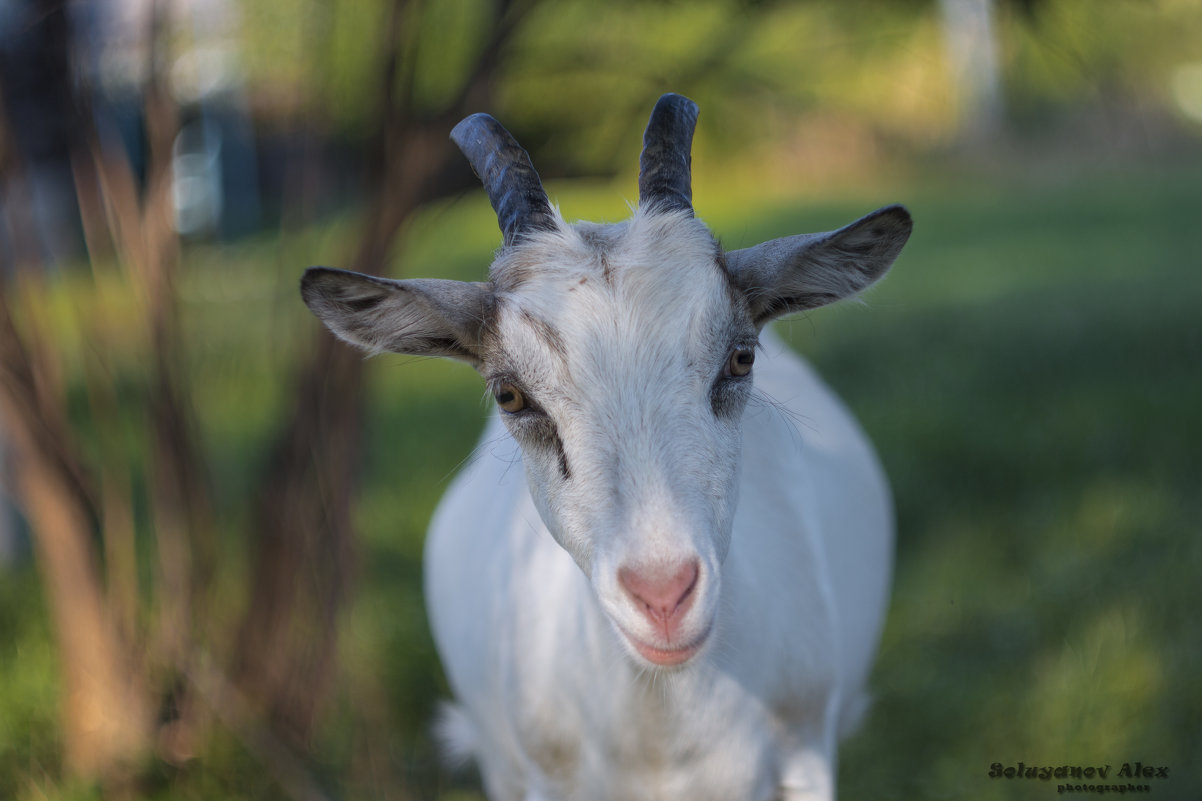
(668,657)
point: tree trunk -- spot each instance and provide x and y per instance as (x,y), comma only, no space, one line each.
(106,721)
(287,647)
(304,564)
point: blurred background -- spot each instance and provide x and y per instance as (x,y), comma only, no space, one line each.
(212,514)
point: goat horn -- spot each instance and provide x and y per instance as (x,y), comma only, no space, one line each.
(665,177)
(505,169)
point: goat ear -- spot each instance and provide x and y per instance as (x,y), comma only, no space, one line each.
(421,317)
(811,270)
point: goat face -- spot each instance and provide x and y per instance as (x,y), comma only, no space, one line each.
(620,358)
(623,372)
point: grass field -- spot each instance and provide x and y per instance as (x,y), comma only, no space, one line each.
(1032,375)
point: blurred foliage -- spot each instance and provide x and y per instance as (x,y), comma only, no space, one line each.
(755,67)
(1072,52)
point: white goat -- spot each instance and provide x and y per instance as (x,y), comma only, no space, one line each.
(645,615)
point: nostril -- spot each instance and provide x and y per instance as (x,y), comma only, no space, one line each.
(661,592)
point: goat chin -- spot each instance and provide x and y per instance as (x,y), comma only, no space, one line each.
(674,657)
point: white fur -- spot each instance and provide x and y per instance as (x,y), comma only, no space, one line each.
(783,505)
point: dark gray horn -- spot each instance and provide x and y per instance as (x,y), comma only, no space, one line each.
(665,167)
(505,169)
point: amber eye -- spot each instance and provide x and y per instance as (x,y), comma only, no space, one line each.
(510,398)
(740,363)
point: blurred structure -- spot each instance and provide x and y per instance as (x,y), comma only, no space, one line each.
(37,192)
(108,66)
(974,70)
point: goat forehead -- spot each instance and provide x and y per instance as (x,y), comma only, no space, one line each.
(649,279)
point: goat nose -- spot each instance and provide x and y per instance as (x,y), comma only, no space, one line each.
(664,594)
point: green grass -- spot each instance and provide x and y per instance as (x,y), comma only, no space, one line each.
(1031,374)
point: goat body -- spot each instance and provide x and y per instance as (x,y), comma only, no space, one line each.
(680,595)
(550,699)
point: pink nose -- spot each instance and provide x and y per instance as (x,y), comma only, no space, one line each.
(664,595)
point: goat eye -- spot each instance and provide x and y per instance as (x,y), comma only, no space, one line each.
(740,363)
(510,398)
